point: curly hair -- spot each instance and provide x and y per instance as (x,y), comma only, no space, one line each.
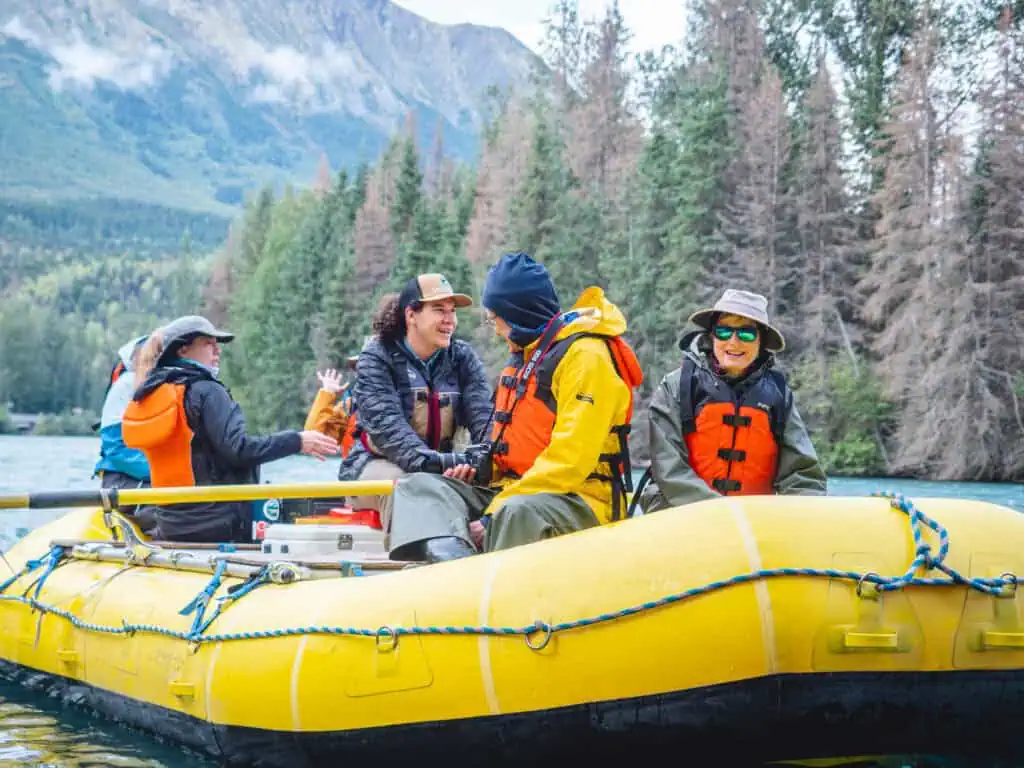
(389,319)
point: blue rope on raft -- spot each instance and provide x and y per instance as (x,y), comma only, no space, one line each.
(923,559)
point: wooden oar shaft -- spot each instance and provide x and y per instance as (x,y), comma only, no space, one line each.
(208,493)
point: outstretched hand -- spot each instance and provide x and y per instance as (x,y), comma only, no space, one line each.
(318,445)
(330,380)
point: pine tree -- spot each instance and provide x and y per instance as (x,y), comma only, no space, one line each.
(663,285)
(545,181)
(271,352)
(254,233)
(408,191)
(185,291)
(346,315)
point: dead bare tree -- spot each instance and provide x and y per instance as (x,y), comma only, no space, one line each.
(899,299)
(374,246)
(826,230)
(500,173)
(757,209)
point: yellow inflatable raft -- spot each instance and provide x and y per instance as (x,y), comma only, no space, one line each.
(734,630)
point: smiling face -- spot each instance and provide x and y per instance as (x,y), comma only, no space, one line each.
(737,343)
(432,326)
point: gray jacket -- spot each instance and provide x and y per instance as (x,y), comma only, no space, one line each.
(673,479)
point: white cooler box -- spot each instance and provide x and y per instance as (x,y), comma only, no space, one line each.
(334,540)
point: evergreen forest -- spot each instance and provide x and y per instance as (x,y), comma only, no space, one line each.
(859,163)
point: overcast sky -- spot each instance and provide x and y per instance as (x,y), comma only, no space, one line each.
(653,22)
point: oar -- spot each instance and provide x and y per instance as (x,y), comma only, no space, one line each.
(129,497)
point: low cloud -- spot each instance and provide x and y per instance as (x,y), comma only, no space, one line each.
(16,29)
(322,79)
(77,63)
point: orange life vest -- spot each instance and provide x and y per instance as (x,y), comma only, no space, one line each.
(525,411)
(733,438)
(351,433)
(158,427)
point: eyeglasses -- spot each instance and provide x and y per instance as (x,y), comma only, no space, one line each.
(747,333)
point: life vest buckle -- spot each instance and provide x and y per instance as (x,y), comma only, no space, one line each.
(732,454)
(726,485)
(736,420)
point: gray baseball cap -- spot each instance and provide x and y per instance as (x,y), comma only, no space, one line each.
(183,330)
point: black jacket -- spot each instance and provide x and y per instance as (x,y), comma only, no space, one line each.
(384,399)
(222,454)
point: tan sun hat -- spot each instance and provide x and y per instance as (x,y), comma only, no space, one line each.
(752,306)
(431,287)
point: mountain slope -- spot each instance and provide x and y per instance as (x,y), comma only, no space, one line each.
(189,103)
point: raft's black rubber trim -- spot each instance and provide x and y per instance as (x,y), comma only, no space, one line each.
(971,714)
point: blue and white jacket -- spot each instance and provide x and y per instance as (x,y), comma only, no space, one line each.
(115,456)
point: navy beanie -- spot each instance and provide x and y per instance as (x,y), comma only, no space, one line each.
(520,292)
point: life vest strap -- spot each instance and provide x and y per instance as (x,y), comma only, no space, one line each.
(508,380)
(725,485)
(502,417)
(522,377)
(732,454)
(622,432)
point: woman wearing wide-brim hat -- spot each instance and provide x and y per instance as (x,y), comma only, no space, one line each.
(724,422)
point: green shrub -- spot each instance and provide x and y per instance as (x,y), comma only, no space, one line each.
(846,414)
(67,423)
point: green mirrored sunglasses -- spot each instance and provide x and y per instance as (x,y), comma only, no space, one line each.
(747,333)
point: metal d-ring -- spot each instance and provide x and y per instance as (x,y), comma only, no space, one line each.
(864,580)
(1009,584)
(386,634)
(545,638)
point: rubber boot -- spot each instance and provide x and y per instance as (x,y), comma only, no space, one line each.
(446,548)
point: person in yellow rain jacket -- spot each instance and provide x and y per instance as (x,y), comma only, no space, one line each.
(558,459)
(333,409)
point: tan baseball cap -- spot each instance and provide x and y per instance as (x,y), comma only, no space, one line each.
(431,287)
